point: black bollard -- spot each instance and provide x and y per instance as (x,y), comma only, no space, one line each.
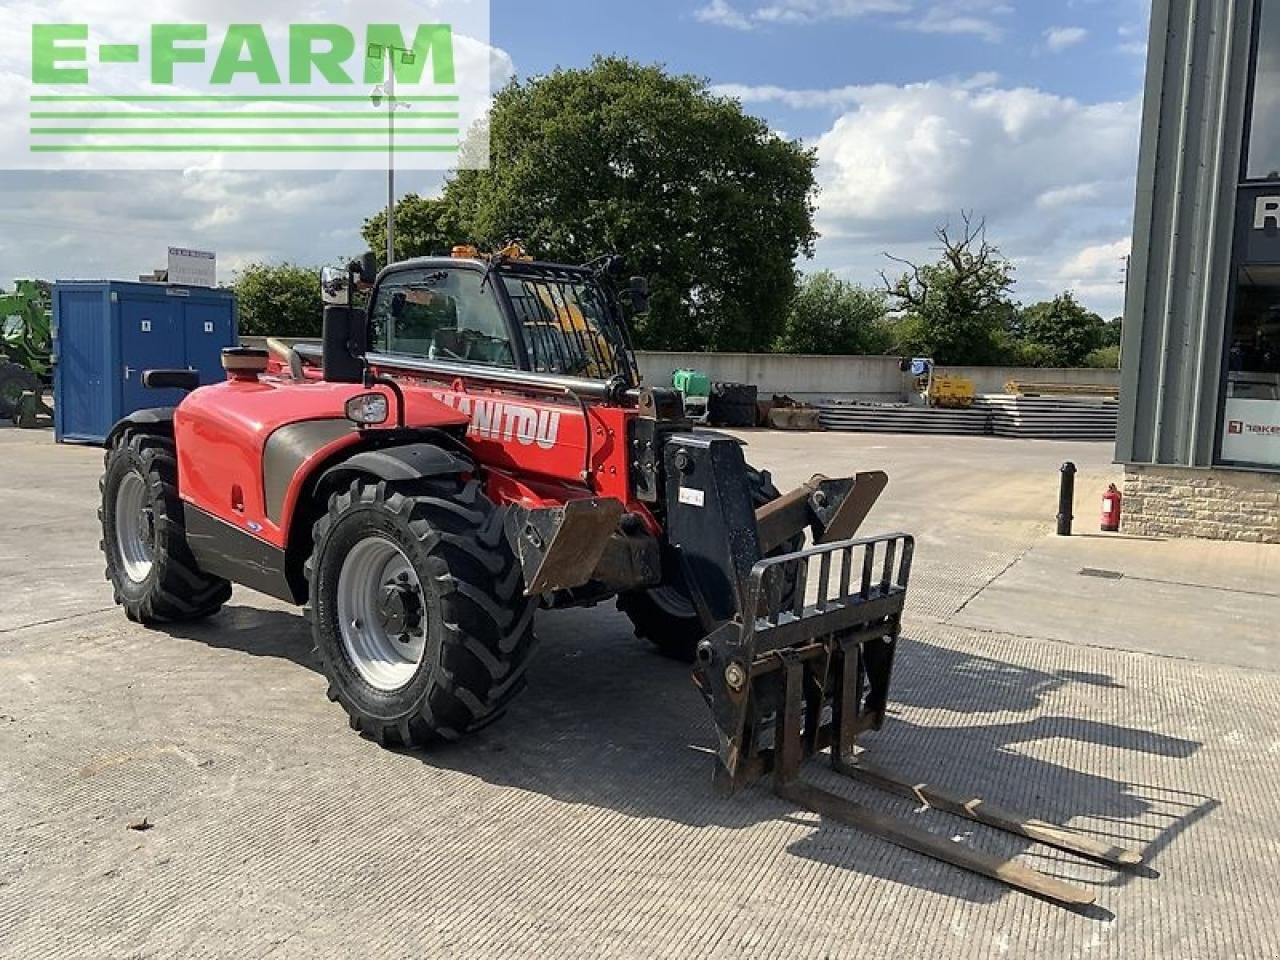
(1066,499)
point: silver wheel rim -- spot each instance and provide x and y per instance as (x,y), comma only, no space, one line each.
(135,528)
(382,614)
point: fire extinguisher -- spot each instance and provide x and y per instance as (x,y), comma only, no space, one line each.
(1111,510)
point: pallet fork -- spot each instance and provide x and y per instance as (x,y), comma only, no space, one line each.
(799,677)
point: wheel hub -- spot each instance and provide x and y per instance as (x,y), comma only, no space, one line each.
(381,613)
(400,608)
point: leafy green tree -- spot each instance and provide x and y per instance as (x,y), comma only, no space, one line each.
(1113,332)
(1060,332)
(1104,358)
(281,300)
(621,158)
(425,227)
(830,316)
(958,309)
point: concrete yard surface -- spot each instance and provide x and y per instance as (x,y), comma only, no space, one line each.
(1139,701)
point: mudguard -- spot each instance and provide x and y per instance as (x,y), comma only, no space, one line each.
(413,461)
(155,419)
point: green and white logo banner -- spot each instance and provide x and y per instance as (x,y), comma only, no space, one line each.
(322,85)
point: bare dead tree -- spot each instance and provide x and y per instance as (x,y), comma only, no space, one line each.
(969,255)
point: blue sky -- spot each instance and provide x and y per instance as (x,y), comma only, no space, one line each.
(1023,111)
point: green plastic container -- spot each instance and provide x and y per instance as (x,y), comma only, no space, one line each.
(692,383)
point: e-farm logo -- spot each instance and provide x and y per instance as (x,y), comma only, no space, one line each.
(298,95)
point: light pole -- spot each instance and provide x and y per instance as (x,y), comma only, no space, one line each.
(386,51)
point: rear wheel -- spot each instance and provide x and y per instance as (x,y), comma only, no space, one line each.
(666,616)
(418,609)
(144,538)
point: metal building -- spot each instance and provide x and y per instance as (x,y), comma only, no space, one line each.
(1200,422)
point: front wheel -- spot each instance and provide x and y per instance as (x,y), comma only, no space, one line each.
(666,615)
(418,609)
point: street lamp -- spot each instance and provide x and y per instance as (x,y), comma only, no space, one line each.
(387,52)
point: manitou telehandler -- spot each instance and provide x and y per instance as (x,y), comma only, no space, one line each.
(477,444)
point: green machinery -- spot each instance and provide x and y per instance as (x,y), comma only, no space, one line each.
(695,388)
(26,347)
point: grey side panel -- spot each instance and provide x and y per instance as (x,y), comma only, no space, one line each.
(225,551)
(1180,275)
(286,450)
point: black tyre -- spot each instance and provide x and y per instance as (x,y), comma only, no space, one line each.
(665,616)
(15,380)
(418,609)
(144,538)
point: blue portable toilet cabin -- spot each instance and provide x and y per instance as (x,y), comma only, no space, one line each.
(106,333)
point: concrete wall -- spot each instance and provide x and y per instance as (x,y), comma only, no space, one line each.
(799,376)
(816,378)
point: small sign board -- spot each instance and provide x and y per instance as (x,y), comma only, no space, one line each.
(1252,433)
(193,268)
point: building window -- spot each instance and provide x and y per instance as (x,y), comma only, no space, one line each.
(1264,127)
(1251,421)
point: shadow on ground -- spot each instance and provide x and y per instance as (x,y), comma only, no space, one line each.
(607,723)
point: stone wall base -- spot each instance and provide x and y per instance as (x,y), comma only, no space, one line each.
(1208,504)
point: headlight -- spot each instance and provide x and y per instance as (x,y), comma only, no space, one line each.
(368,409)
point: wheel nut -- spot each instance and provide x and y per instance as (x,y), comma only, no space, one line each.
(735,676)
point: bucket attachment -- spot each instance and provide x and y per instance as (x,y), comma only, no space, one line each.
(805,670)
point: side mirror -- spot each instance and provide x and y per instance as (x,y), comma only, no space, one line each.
(335,286)
(346,339)
(639,295)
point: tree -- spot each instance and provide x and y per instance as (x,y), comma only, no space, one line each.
(830,316)
(1060,332)
(621,158)
(281,300)
(956,310)
(1104,358)
(425,227)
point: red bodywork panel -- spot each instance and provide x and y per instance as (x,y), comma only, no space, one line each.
(535,449)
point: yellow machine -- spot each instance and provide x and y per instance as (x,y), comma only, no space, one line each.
(955,393)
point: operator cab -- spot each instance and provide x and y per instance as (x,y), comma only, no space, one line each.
(505,311)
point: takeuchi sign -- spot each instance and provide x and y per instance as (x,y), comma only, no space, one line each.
(1252,432)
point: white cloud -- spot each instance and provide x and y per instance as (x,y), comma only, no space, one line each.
(723,14)
(1061,38)
(811,11)
(1096,272)
(834,97)
(979,18)
(1072,194)
(1054,177)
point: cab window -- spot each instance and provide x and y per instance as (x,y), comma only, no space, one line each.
(441,315)
(565,326)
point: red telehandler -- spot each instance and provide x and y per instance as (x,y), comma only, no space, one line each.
(477,444)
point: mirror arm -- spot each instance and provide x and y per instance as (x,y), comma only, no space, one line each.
(372,379)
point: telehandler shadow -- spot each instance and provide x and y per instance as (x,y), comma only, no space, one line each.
(605,722)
